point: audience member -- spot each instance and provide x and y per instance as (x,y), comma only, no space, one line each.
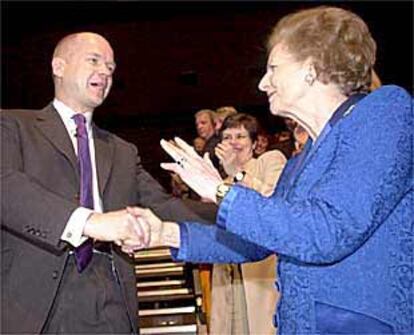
(243,296)
(198,144)
(220,115)
(262,143)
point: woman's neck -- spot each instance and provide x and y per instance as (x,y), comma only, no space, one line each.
(319,109)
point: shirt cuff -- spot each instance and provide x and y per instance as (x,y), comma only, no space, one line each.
(225,206)
(73,232)
(179,254)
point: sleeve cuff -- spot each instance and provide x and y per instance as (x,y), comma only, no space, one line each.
(225,206)
(179,254)
(73,232)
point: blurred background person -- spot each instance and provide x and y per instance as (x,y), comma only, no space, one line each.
(204,121)
(198,144)
(375,81)
(301,136)
(262,143)
(220,115)
(243,296)
(283,140)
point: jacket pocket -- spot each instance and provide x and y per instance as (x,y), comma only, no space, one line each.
(336,320)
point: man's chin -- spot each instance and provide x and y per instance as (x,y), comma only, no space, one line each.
(97,101)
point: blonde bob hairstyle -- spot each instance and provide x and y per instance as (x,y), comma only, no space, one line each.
(337,41)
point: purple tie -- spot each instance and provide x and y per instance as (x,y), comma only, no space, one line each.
(83,253)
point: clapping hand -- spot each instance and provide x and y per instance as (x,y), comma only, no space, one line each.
(228,158)
(197,172)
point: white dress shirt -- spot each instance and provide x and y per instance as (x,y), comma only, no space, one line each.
(74,227)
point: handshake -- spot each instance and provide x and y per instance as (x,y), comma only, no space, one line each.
(132,229)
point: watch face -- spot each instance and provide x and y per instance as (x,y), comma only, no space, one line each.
(223,188)
(239,176)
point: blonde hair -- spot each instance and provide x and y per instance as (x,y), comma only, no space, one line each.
(337,41)
(223,112)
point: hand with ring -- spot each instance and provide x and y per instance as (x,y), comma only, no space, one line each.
(198,172)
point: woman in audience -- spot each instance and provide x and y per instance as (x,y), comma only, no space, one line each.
(243,296)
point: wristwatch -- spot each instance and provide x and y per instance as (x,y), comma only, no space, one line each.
(239,176)
(222,190)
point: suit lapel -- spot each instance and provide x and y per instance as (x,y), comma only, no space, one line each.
(104,151)
(52,127)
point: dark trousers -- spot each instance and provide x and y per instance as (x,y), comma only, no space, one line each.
(89,302)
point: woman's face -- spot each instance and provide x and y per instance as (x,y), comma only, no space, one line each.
(240,141)
(284,82)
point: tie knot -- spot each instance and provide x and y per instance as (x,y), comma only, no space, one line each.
(80,121)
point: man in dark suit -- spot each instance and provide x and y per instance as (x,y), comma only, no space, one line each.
(48,286)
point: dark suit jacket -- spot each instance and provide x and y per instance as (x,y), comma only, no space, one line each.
(39,189)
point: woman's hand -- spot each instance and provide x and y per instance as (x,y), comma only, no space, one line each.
(155,232)
(197,172)
(228,158)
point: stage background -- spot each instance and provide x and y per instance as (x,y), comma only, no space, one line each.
(174,58)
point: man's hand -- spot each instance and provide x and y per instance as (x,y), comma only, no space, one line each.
(119,227)
(197,172)
(156,232)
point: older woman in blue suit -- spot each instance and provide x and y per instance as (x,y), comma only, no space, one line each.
(341,219)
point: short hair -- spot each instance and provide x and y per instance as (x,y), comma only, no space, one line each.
(209,112)
(238,120)
(336,40)
(224,112)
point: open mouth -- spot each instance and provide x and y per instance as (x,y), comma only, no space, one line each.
(98,84)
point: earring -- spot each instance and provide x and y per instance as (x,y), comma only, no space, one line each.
(309,79)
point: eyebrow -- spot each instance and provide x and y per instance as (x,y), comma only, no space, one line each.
(92,53)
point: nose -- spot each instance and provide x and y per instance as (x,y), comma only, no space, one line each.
(264,83)
(233,141)
(105,69)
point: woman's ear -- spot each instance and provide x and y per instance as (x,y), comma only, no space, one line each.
(311,74)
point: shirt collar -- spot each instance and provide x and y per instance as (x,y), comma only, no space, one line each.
(66,113)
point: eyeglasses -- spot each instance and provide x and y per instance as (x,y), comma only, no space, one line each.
(238,137)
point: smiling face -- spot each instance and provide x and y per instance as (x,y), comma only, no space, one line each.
(83,67)
(241,142)
(261,144)
(284,82)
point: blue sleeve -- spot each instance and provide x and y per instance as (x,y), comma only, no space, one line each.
(201,243)
(370,172)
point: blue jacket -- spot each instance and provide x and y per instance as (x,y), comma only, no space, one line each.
(343,229)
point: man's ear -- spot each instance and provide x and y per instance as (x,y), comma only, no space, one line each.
(58,66)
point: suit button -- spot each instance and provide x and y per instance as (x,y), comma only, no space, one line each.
(54,274)
(77,197)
